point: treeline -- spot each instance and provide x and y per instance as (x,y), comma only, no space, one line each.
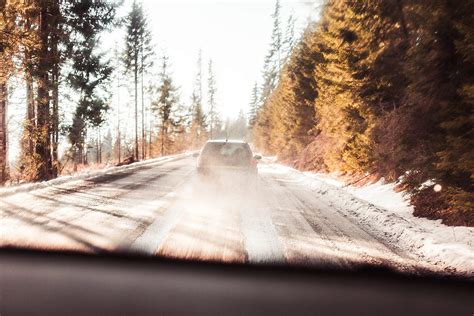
(71,82)
(383,88)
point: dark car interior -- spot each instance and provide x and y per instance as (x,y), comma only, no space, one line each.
(66,283)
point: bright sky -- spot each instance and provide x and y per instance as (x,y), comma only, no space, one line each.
(235,34)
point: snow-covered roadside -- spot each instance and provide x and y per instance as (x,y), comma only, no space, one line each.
(387,214)
(88,173)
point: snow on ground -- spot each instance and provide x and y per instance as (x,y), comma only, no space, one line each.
(387,214)
(87,173)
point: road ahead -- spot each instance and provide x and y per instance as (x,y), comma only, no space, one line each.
(160,208)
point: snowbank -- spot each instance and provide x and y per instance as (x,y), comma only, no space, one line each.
(387,214)
(88,173)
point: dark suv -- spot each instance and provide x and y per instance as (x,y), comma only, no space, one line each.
(225,158)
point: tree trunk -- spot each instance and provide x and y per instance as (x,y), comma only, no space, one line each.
(136,110)
(119,144)
(55,119)
(84,149)
(3,132)
(149,137)
(119,141)
(30,114)
(80,153)
(54,87)
(164,136)
(99,149)
(143,119)
(43,145)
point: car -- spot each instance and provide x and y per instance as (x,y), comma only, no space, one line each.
(227,161)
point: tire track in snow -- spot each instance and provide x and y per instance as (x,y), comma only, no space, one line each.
(152,236)
(261,239)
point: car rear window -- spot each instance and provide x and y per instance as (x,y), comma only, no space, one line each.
(227,151)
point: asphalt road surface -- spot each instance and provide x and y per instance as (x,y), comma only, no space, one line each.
(163,209)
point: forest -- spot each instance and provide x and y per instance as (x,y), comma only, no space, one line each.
(52,56)
(370,90)
(381,89)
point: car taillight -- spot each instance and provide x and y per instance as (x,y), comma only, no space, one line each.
(253,163)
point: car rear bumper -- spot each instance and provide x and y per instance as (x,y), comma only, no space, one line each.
(226,171)
(233,178)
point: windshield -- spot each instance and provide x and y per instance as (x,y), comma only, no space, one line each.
(346,128)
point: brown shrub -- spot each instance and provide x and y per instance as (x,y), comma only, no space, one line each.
(453,206)
(312,156)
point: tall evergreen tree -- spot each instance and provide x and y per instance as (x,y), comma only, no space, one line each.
(137,51)
(107,146)
(213,114)
(198,81)
(118,78)
(146,61)
(253,106)
(436,117)
(165,105)
(273,59)
(90,72)
(198,124)
(289,39)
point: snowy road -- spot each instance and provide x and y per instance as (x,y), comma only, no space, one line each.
(159,208)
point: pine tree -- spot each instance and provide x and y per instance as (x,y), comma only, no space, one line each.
(437,113)
(297,104)
(165,105)
(277,38)
(262,129)
(253,106)
(137,51)
(146,61)
(455,161)
(198,124)
(118,73)
(273,59)
(91,72)
(289,41)
(213,114)
(335,81)
(107,147)
(198,81)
